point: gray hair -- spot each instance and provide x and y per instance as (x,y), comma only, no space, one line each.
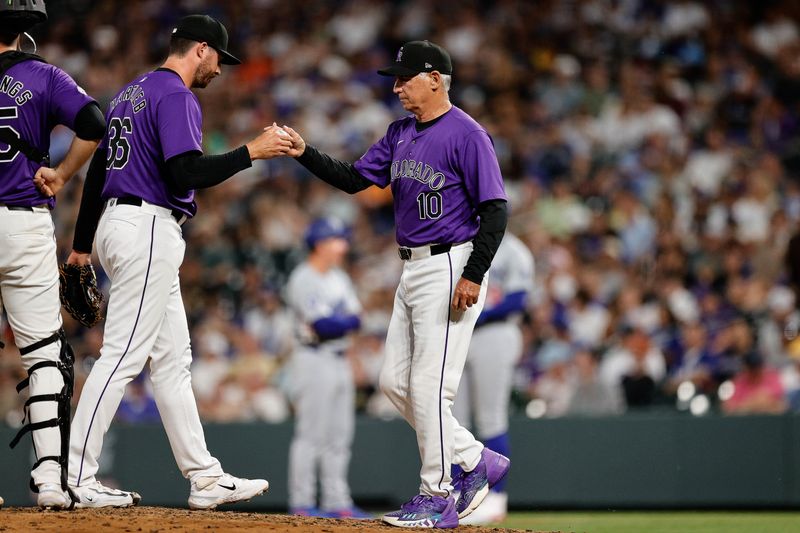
(446,80)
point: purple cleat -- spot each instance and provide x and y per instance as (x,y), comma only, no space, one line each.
(425,511)
(475,485)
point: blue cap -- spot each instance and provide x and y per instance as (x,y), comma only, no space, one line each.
(325,228)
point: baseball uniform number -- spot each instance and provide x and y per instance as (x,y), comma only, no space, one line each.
(9,154)
(119,149)
(430,205)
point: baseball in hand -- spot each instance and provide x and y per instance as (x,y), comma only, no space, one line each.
(282,132)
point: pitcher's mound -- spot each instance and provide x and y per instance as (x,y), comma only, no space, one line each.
(161,519)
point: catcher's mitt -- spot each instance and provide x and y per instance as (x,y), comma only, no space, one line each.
(79,293)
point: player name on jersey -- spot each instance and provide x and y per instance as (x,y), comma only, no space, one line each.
(15,89)
(134,94)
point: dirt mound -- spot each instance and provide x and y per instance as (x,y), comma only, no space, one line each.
(159,519)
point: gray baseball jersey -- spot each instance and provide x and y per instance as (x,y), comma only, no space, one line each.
(512,271)
(313,295)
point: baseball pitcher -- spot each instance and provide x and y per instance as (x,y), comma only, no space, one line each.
(34,98)
(450,210)
(143,178)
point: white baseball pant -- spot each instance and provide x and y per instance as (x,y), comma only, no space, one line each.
(426,347)
(29,293)
(141,250)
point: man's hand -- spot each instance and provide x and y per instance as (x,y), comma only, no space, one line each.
(79,258)
(273,142)
(49,181)
(465,295)
(78,291)
(298,144)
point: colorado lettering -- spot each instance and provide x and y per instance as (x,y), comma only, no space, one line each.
(420,171)
(134,94)
(15,90)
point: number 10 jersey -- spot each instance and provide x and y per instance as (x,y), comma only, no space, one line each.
(439,176)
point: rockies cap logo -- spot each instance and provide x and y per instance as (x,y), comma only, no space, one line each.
(419,56)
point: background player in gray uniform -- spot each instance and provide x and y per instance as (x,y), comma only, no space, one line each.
(145,171)
(34,98)
(326,311)
(450,213)
(493,353)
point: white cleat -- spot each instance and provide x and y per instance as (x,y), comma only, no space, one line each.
(208,492)
(95,495)
(52,496)
(2,501)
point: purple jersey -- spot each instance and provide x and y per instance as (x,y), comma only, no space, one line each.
(34,98)
(153,119)
(439,176)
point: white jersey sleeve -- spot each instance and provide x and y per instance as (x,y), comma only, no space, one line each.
(313,295)
(512,270)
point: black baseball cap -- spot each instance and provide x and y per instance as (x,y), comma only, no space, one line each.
(419,56)
(205,29)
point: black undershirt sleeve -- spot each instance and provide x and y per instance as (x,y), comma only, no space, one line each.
(90,125)
(91,204)
(186,171)
(192,170)
(493,219)
(493,214)
(341,175)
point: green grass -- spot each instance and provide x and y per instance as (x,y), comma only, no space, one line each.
(656,522)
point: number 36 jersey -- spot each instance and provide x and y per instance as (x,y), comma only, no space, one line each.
(439,177)
(152,119)
(34,98)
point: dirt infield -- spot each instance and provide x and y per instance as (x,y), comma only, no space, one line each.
(159,519)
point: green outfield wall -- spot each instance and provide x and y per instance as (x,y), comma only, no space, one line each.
(646,461)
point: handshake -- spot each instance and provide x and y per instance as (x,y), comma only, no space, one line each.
(276,141)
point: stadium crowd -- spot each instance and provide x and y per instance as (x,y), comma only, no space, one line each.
(651,156)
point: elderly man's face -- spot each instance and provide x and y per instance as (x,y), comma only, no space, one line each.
(415,91)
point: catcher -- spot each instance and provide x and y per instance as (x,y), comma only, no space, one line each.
(43,96)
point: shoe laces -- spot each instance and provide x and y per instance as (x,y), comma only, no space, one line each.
(420,502)
(470,478)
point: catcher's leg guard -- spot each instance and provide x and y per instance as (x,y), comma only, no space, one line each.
(50,381)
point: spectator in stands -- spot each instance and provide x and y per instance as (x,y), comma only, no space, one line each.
(636,366)
(591,397)
(757,389)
